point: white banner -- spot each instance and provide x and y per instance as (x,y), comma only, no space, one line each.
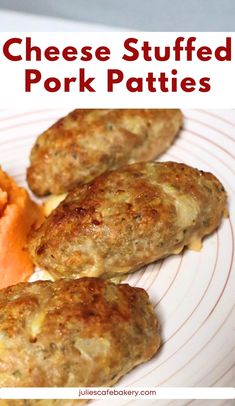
(117,392)
(117,70)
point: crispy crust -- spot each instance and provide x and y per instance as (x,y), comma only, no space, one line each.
(85,332)
(86,143)
(128,218)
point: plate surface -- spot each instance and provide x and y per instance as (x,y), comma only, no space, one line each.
(193,293)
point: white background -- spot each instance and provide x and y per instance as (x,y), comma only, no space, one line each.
(12,75)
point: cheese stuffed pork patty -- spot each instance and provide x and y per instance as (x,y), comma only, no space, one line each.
(127,218)
(86,332)
(86,143)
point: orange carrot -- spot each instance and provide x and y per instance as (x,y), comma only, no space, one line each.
(18,213)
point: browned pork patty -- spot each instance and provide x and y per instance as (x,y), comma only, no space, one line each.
(86,332)
(86,143)
(128,218)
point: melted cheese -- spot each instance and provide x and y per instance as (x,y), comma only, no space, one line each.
(92,347)
(178,250)
(52,202)
(187,207)
(195,244)
(36,324)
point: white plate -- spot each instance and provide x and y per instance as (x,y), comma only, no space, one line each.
(193,293)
